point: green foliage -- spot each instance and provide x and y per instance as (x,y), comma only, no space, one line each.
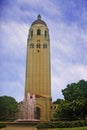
(75,91)
(58,101)
(8,107)
(71,110)
(62,124)
(74,105)
(2,125)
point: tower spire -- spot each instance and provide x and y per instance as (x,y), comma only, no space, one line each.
(38,17)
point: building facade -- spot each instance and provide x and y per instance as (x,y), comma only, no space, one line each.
(38,72)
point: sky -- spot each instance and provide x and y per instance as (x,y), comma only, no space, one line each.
(67,23)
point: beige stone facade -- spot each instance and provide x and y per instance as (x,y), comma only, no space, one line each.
(53,108)
(38,72)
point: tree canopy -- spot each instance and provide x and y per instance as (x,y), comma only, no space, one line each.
(74,105)
(75,91)
(8,107)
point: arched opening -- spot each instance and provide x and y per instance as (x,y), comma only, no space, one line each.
(38,32)
(44,45)
(45,33)
(31,45)
(38,45)
(37,113)
(31,33)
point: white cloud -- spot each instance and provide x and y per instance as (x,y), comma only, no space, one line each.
(47,6)
(68,40)
(63,74)
(14,89)
(14,38)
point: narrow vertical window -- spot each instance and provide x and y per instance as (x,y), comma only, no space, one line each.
(31,45)
(31,33)
(45,33)
(44,45)
(38,32)
(38,45)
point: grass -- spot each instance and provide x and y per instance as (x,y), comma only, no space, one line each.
(77,128)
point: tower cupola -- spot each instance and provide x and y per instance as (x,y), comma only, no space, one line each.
(39,21)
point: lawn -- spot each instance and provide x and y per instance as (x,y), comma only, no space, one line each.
(77,128)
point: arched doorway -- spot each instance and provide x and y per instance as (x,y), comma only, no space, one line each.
(37,113)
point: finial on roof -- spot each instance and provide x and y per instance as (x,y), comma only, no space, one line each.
(39,17)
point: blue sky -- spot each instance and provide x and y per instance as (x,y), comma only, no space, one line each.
(67,23)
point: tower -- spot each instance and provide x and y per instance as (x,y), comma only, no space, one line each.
(38,75)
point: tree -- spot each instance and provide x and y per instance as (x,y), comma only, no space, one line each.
(58,101)
(75,91)
(71,110)
(74,105)
(8,107)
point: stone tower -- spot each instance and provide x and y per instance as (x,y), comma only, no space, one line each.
(38,75)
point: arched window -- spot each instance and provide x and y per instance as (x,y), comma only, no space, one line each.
(44,45)
(38,32)
(37,113)
(45,33)
(32,33)
(38,45)
(51,107)
(31,45)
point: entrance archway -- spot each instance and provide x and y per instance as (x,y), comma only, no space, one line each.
(37,113)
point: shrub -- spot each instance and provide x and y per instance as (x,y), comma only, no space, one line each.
(2,125)
(62,124)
